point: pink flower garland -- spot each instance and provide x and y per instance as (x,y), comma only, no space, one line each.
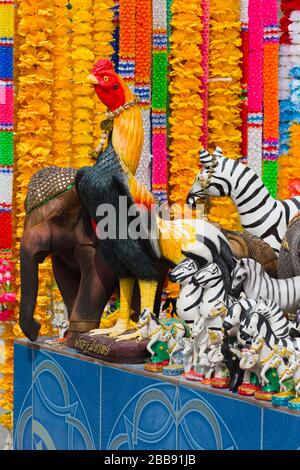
(255,85)
(7,298)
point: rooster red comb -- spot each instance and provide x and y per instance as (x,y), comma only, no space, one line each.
(101,65)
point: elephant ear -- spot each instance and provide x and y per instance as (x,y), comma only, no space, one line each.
(205,158)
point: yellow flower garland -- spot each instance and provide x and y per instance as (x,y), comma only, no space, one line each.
(186,103)
(102,38)
(82,61)
(62,94)
(289,165)
(224,94)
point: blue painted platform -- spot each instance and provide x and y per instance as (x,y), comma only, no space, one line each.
(64,400)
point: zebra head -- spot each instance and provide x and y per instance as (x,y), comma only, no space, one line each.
(208,276)
(207,182)
(184,271)
(233,316)
(249,325)
(239,275)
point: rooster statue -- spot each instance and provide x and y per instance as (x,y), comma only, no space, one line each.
(111,177)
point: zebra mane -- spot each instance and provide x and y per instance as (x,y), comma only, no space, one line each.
(262,320)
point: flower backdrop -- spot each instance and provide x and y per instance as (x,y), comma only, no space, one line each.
(207,72)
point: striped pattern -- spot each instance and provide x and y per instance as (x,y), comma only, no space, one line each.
(274,330)
(256,283)
(260,214)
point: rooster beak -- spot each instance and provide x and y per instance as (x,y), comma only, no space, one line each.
(91,79)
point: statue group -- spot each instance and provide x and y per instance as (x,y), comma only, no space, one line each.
(234,323)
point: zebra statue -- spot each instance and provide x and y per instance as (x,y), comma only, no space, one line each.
(260,214)
(271,326)
(250,275)
(187,303)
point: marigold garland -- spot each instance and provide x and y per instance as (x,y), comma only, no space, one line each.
(102,45)
(186,104)
(205,66)
(142,89)
(224,95)
(61,103)
(127,41)
(83,94)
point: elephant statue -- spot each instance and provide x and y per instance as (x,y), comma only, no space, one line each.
(289,255)
(56,225)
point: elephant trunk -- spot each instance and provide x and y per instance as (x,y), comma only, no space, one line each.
(29,290)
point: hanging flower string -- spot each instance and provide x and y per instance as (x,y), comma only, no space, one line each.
(186,103)
(127,41)
(7,296)
(103,42)
(159,100)
(224,125)
(245,66)
(142,81)
(205,67)
(270,96)
(61,103)
(255,86)
(289,58)
(83,94)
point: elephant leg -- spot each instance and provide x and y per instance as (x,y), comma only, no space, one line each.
(97,284)
(35,247)
(67,281)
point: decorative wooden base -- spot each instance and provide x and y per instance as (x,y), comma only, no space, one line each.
(110,350)
(155,366)
(265,396)
(173,370)
(220,382)
(193,376)
(282,398)
(248,389)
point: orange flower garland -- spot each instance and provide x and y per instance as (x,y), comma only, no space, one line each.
(83,103)
(143,44)
(224,105)
(61,104)
(186,104)
(102,37)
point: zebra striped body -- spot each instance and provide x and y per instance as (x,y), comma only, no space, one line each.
(189,297)
(257,283)
(260,214)
(255,325)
